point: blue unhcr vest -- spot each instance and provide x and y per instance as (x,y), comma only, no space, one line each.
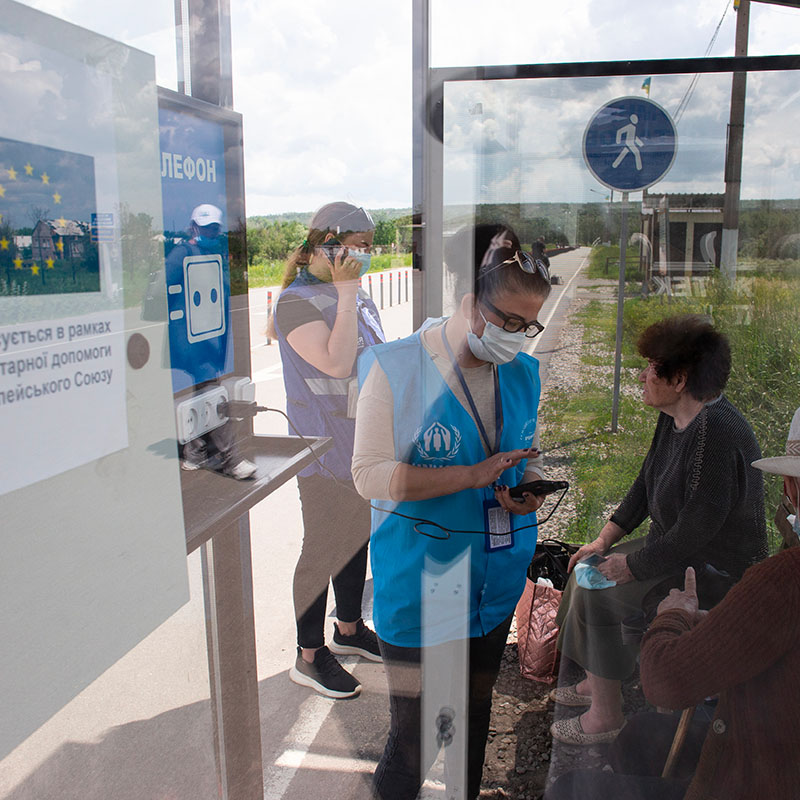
(316,403)
(433,429)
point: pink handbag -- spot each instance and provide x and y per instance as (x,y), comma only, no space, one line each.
(537,632)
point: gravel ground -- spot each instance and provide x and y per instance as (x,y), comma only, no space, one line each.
(521,758)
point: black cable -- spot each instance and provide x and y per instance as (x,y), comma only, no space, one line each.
(242,408)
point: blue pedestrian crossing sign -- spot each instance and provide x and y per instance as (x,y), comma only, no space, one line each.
(630,143)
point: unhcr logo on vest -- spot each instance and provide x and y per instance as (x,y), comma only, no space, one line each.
(438,442)
(528,431)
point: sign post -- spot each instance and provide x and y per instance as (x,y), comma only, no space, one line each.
(629,144)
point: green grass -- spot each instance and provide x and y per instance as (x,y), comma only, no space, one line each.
(759,317)
(579,423)
(270,273)
(599,256)
(59,280)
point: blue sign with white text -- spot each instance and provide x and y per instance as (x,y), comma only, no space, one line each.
(196,245)
(630,143)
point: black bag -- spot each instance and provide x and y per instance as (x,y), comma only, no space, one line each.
(550,560)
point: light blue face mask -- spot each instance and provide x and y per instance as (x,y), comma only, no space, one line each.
(796,524)
(495,344)
(588,576)
(364,258)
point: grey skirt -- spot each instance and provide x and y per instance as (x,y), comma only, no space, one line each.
(589,622)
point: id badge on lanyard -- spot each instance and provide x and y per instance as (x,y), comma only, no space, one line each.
(497,524)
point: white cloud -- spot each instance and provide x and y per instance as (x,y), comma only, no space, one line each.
(325,91)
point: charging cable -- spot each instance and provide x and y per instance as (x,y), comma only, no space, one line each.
(241,409)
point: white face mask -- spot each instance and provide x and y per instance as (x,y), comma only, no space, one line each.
(495,344)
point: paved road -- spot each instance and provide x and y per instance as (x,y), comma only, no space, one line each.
(143,729)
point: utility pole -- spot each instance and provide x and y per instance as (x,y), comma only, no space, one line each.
(733,154)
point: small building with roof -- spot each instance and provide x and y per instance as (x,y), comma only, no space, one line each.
(61,238)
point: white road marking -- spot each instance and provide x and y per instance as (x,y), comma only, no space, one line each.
(302,758)
(310,718)
(560,297)
(293,759)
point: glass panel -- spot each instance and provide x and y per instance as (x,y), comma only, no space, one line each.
(513,155)
(152,31)
(594,30)
(109,628)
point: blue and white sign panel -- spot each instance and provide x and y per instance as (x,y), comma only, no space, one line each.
(630,143)
(197,267)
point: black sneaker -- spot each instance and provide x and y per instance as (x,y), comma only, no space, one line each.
(326,675)
(362,643)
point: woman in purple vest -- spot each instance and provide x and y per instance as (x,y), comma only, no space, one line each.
(323,321)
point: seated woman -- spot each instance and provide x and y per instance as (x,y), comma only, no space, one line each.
(706,507)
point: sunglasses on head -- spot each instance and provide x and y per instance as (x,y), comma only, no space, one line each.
(528,263)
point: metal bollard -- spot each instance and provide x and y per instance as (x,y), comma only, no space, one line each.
(269,314)
(390,288)
(381,291)
(369,284)
(406,286)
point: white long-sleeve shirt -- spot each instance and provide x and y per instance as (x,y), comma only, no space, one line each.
(374,459)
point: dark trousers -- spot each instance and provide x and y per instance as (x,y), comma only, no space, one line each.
(638,757)
(400,771)
(336,523)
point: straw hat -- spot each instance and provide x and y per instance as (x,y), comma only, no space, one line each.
(790,463)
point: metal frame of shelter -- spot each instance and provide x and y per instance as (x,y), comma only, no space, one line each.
(216,509)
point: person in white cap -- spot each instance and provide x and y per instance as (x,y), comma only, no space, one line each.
(207,214)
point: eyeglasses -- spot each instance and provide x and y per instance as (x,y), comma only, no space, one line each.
(514,324)
(528,263)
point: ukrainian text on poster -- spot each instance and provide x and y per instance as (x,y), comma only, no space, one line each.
(62,395)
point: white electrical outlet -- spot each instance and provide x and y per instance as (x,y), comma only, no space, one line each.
(205,304)
(199,414)
(242,389)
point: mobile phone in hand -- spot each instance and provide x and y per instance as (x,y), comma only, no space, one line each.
(332,249)
(538,488)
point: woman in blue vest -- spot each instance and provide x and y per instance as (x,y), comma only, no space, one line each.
(458,403)
(323,320)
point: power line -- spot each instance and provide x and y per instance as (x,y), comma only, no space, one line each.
(687,97)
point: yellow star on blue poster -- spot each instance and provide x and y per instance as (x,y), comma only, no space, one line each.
(53,191)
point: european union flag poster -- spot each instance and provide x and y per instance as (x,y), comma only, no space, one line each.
(47,200)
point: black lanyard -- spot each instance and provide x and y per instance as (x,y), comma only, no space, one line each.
(498,403)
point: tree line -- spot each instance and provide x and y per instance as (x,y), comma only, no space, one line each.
(271,239)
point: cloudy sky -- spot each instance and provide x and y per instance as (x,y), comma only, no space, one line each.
(325,90)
